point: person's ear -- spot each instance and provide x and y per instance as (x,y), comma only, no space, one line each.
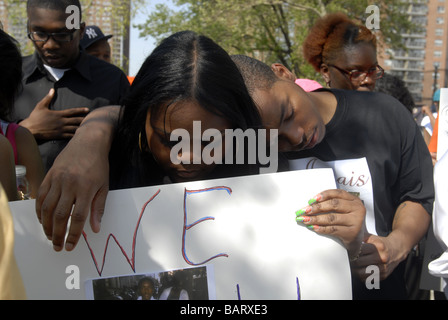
(82,29)
(325,72)
(282,72)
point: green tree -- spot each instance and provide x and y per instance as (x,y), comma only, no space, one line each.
(270,30)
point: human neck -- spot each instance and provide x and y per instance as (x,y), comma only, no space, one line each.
(326,104)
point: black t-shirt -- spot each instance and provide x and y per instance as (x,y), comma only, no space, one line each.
(377,128)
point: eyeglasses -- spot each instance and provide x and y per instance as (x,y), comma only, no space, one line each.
(38,36)
(360,76)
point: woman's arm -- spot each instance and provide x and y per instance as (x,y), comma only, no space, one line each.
(29,156)
(7,172)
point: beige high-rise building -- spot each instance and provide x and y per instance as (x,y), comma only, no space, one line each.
(423,65)
(112,16)
(436,49)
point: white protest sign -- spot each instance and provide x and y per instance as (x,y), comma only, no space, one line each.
(351,175)
(433,250)
(243,227)
(442,137)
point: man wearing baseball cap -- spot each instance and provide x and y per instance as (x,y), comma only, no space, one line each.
(95,43)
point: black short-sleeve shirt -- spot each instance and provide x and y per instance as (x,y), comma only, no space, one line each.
(377,128)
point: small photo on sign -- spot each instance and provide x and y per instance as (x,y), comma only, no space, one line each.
(180,284)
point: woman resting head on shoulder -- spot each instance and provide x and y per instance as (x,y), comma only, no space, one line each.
(344,52)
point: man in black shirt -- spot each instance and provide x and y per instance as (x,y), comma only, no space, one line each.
(376,151)
(61,83)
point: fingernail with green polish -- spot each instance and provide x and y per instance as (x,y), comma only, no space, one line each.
(302,211)
(303,219)
(315,199)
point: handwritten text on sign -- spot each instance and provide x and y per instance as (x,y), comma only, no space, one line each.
(245,227)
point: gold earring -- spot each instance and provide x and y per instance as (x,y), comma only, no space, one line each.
(140,141)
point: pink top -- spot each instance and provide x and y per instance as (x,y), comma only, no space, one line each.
(9,131)
(308,85)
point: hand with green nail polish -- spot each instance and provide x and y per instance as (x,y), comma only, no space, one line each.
(337,213)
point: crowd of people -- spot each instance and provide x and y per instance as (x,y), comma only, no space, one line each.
(73,119)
